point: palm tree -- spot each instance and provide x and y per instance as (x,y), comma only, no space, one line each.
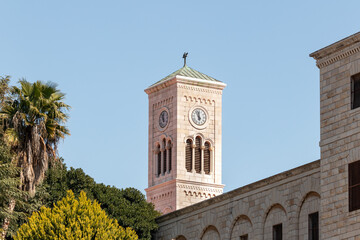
(32,121)
(33,127)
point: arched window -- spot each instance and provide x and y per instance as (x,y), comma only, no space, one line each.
(207,158)
(170,153)
(158,156)
(198,154)
(188,155)
(164,155)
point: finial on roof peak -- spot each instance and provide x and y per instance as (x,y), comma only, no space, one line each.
(184,57)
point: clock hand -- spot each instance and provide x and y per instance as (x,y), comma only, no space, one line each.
(198,115)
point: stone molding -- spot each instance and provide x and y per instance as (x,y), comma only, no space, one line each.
(203,140)
(337,46)
(199,194)
(337,56)
(189,81)
(160,141)
(192,88)
(199,188)
(162,103)
(160,185)
(158,197)
(201,185)
(198,99)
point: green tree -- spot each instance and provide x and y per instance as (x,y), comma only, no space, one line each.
(4,89)
(73,219)
(128,206)
(9,179)
(33,127)
(9,191)
(59,180)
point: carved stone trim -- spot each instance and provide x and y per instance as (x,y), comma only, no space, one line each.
(193,88)
(162,103)
(159,197)
(336,57)
(187,81)
(199,100)
(337,46)
(199,188)
(199,194)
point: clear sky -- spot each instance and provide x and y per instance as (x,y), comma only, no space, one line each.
(103,54)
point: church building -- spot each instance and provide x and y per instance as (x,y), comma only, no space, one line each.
(319,200)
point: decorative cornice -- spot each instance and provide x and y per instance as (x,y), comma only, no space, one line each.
(158,197)
(337,46)
(187,81)
(162,103)
(160,185)
(337,56)
(198,89)
(199,194)
(336,51)
(199,184)
(200,188)
(198,99)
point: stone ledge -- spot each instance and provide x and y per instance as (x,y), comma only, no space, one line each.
(188,83)
(241,190)
(337,46)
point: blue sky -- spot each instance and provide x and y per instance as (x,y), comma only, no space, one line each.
(103,54)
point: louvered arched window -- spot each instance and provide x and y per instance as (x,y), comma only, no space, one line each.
(164,155)
(207,158)
(170,153)
(158,159)
(198,154)
(188,155)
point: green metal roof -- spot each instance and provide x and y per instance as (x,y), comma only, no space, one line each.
(187,71)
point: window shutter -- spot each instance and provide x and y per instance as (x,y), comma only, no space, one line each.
(159,162)
(198,155)
(170,149)
(164,152)
(188,155)
(207,158)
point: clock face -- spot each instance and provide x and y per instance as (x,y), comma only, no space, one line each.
(163,119)
(198,116)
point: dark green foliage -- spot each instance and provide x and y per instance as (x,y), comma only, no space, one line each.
(9,190)
(128,206)
(59,180)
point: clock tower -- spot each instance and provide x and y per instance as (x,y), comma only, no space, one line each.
(184,159)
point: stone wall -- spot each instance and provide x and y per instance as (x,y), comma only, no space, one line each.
(286,198)
(340,136)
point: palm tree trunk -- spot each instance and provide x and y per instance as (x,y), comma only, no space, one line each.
(6,222)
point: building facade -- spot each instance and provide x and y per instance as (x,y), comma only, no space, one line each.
(319,200)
